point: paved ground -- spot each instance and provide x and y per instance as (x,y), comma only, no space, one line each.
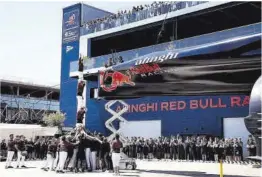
(146,169)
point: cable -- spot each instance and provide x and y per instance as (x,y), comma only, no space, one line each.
(162,28)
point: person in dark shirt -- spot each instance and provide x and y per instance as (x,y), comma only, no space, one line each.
(221,150)
(3,148)
(210,154)
(43,148)
(104,154)
(87,152)
(63,152)
(70,151)
(236,151)
(21,152)
(75,143)
(82,143)
(56,143)
(204,149)
(80,64)
(80,115)
(251,146)
(146,150)
(229,150)
(240,148)
(80,88)
(116,149)
(151,150)
(3,145)
(192,149)
(80,67)
(30,149)
(215,147)
(93,148)
(187,142)
(10,151)
(51,153)
(37,147)
(120,59)
(180,147)
(110,62)
(139,150)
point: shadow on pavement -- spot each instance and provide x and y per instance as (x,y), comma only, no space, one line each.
(21,168)
(187,173)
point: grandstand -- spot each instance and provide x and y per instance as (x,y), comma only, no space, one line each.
(25,102)
(160,27)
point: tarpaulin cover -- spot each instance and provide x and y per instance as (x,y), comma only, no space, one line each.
(225,67)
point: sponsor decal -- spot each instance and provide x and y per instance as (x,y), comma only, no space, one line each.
(69,48)
(157,59)
(110,80)
(71,19)
(71,24)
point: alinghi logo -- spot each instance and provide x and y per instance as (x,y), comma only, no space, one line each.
(156,59)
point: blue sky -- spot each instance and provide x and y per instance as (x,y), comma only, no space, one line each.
(31,38)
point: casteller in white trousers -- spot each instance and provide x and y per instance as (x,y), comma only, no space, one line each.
(9,158)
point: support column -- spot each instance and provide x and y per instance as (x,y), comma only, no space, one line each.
(17,91)
(46,94)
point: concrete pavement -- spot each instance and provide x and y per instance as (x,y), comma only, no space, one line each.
(145,169)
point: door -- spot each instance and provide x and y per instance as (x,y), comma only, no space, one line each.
(146,129)
(235,128)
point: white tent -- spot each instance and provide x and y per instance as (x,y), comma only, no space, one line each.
(29,131)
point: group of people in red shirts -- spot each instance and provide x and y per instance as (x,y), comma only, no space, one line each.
(78,152)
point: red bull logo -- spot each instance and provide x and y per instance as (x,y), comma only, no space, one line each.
(71,20)
(110,80)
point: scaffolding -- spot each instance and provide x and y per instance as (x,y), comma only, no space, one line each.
(24,109)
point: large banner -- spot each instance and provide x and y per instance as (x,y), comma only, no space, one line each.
(227,67)
(71,25)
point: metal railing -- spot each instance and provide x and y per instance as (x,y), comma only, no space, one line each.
(148,11)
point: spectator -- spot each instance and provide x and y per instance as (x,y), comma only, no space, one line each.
(138,13)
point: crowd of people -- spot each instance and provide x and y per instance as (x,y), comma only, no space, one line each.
(78,151)
(194,148)
(136,14)
(114,61)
